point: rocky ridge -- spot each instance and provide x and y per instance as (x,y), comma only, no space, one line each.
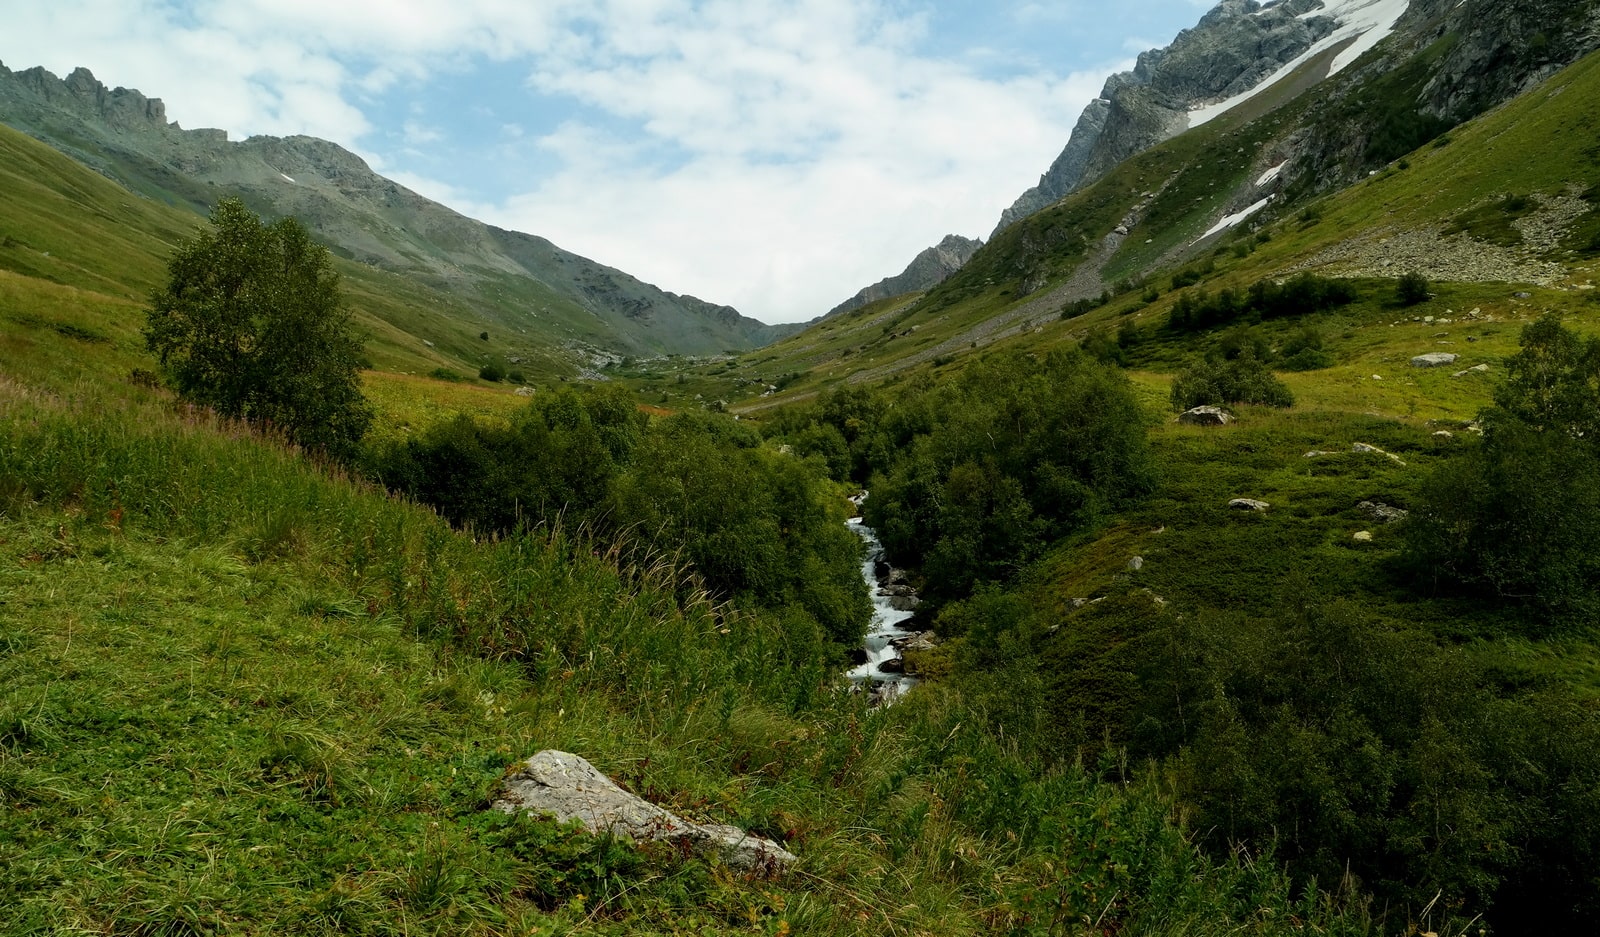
(930,268)
(518,280)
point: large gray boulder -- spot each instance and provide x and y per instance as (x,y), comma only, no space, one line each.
(567,787)
(1436,359)
(1206,416)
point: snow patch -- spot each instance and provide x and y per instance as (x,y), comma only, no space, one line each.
(1270,175)
(1234,219)
(285,177)
(1367,22)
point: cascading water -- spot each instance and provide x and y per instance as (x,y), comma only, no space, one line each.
(882,674)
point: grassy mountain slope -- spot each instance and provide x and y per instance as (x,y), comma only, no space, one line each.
(1438,211)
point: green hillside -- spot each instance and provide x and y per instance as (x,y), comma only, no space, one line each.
(1332,667)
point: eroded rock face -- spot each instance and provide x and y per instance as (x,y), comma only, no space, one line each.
(568,787)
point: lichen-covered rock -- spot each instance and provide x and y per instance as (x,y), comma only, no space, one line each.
(568,787)
(1248,504)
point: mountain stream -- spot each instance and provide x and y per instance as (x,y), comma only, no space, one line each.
(883,674)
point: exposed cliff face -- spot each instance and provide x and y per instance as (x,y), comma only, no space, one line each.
(1231,50)
(1445,61)
(930,268)
(521,280)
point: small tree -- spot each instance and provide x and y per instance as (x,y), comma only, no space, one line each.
(251,323)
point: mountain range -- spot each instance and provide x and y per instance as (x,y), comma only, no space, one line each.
(503,280)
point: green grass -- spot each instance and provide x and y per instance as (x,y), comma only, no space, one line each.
(242,696)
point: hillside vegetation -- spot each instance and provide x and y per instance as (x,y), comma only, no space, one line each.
(1330,668)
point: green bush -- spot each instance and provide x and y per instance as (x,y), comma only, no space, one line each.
(492,372)
(1244,379)
(1411,289)
(1519,515)
(446,374)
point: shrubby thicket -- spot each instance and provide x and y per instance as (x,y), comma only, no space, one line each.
(970,479)
(1519,515)
(755,525)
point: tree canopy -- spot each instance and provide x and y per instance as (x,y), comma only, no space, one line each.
(251,323)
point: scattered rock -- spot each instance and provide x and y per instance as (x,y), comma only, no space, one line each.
(1206,416)
(893,665)
(1363,536)
(1444,434)
(1362,447)
(905,603)
(1379,511)
(1521,295)
(1479,369)
(1317,453)
(524,391)
(1078,603)
(1136,564)
(1436,359)
(921,641)
(567,787)
(1248,504)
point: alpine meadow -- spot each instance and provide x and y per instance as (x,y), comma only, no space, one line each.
(1212,550)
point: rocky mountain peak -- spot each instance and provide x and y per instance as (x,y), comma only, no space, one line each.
(930,268)
(1234,47)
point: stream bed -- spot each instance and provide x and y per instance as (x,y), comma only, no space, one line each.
(882,674)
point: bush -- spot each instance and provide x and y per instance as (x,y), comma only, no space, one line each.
(445,374)
(251,323)
(1245,379)
(517,377)
(1520,514)
(1411,289)
(492,372)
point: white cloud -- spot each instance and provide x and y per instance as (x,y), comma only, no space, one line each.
(771,154)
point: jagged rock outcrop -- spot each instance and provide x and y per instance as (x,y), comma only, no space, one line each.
(1231,50)
(369,219)
(930,268)
(1447,61)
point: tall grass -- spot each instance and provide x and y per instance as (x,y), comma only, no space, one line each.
(385,669)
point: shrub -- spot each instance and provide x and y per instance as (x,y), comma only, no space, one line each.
(445,374)
(492,372)
(517,377)
(1245,379)
(1411,289)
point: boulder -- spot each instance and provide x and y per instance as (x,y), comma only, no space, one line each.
(1136,564)
(1477,369)
(1362,447)
(1362,536)
(892,665)
(922,641)
(905,603)
(1436,359)
(1379,511)
(567,787)
(1248,504)
(524,391)
(1206,416)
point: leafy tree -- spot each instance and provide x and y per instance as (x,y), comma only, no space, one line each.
(252,324)
(1519,515)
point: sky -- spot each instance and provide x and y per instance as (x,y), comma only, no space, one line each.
(773,155)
